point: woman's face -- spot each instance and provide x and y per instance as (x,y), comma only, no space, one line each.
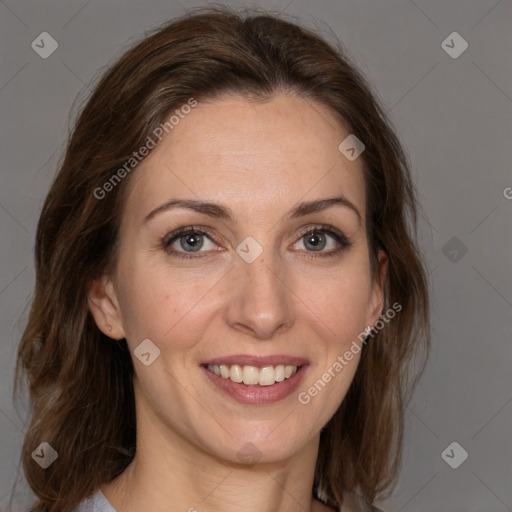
(253,290)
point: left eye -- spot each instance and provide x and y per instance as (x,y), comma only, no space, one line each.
(317,240)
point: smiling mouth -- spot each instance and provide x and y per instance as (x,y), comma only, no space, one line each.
(253,375)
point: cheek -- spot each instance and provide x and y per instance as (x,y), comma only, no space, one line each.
(162,305)
(337,304)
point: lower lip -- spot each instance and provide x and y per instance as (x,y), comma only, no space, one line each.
(257,395)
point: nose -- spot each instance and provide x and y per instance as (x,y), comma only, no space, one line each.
(260,303)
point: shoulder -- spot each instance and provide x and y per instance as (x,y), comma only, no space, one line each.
(356,503)
(364,507)
(352,503)
(95,503)
(360,505)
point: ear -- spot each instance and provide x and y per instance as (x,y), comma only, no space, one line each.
(105,308)
(377,296)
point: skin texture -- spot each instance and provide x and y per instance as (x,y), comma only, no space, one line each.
(259,159)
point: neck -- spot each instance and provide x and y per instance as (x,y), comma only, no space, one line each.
(168,469)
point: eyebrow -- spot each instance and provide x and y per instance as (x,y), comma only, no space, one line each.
(225,213)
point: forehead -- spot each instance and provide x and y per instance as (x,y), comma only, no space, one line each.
(256,157)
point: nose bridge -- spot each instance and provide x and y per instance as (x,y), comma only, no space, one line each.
(260,302)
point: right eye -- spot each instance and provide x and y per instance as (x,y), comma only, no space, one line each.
(186,241)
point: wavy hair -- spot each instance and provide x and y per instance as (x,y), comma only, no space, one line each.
(79,381)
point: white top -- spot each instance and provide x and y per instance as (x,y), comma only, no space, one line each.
(98,503)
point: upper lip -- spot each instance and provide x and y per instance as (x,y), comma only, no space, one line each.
(258,361)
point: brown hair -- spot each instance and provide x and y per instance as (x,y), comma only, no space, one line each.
(80,381)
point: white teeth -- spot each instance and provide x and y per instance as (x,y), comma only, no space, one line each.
(252,375)
(224,371)
(235,374)
(267,376)
(279,373)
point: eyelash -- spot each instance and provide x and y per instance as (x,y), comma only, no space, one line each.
(342,239)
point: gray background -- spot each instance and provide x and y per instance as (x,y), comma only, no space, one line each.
(454,117)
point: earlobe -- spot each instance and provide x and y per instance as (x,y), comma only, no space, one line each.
(378,293)
(104,307)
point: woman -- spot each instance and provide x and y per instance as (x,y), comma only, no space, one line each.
(228,288)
